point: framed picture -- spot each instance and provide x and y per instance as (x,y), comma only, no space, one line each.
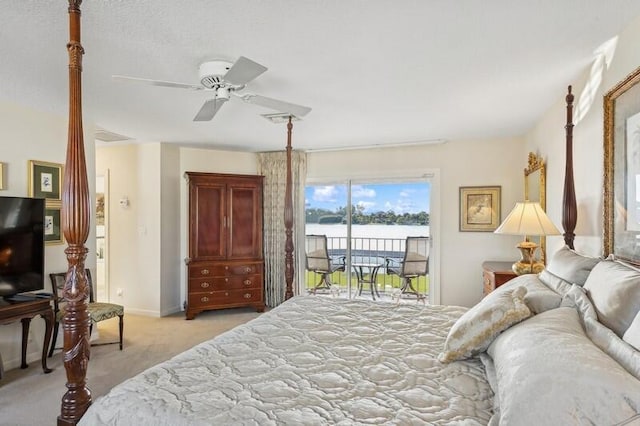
(45,180)
(622,170)
(479,208)
(52,226)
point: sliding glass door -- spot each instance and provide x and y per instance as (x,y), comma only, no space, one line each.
(366,224)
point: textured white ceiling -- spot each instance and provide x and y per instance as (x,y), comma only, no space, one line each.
(374,71)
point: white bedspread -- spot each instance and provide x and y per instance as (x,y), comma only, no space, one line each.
(312,360)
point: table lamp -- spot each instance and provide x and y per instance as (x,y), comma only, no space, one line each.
(527,219)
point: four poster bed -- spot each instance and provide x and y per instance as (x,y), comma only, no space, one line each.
(538,350)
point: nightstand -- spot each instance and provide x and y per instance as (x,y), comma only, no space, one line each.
(494,274)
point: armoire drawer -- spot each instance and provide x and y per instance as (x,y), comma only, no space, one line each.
(224,269)
(225,283)
(221,298)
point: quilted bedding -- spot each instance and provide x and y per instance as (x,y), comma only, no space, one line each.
(312,360)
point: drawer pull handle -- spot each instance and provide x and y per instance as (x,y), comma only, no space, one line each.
(226,280)
(204,272)
(204,299)
(248,269)
(204,285)
(247,295)
(226,267)
(247,282)
(226,293)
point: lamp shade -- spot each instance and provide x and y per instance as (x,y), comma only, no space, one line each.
(527,218)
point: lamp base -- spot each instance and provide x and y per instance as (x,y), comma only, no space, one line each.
(522,268)
(527,263)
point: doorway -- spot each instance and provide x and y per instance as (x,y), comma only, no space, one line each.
(101,293)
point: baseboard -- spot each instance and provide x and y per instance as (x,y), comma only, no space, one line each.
(171,311)
(143,312)
(34,359)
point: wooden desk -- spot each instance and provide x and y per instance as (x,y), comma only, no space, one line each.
(494,274)
(25,310)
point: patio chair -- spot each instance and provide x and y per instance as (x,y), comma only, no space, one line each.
(414,264)
(319,261)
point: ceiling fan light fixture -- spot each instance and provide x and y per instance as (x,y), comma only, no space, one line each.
(222,93)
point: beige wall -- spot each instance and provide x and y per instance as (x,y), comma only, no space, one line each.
(456,163)
(32,135)
(548,139)
(171,263)
(143,258)
(147,240)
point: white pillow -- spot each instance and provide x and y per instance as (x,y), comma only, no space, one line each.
(571,266)
(614,289)
(474,331)
(539,297)
(557,284)
(550,373)
(603,337)
(632,335)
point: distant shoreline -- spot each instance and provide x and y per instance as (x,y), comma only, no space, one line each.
(368,231)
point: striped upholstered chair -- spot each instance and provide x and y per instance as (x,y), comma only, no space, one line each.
(98,311)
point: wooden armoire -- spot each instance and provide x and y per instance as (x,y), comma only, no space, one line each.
(225,267)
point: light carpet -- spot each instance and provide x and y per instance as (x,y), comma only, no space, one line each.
(29,397)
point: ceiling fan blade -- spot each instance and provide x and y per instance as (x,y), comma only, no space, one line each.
(158,82)
(243,71)
(281,106)
(209,109)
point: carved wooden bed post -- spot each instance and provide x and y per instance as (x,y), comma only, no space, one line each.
(569,209)
(75,224)
(288,221)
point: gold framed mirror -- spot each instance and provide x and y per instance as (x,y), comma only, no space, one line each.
(535,190)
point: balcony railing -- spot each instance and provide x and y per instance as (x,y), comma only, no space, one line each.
(366,251)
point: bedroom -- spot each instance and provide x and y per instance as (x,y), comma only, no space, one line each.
(462,284)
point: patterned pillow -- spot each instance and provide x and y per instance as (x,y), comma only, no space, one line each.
(474,331)
(539,297)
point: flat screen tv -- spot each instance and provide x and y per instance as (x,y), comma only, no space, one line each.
(21,245)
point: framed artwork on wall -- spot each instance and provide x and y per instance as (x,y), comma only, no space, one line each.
(45,180)
(622,170)
(479,208)
(52,226)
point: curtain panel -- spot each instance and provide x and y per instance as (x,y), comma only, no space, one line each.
(273,166)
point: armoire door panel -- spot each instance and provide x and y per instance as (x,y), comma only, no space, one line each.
(208,218)
(245,225)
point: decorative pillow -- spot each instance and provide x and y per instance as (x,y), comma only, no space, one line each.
(614,289)
(474,331)
(571,266)
(539,297)
(550,373)
(632,335)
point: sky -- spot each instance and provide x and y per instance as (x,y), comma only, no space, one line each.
(405,197)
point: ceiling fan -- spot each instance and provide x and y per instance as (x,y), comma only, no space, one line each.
(226,79)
